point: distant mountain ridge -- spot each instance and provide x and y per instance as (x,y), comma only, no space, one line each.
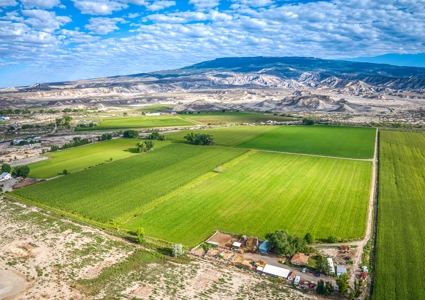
(337,77)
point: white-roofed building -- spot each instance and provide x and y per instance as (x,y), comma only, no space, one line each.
(5,176)
(275,271)
(340,270)
(331,265)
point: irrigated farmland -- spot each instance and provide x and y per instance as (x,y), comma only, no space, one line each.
(138,122)
(229,136)
(400,266)
(267,192)
(85,156)
(108,191)
(353,142)
(233,117)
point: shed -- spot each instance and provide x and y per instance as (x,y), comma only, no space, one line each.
(5,176)
(264,248)
(340,270)
(299,259)
(275,271)
(237,245)
(331,265)
(297,280)
(291,276)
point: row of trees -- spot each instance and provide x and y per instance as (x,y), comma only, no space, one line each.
(77,141)
(105,137)
(156,136)
(200,139)
(130,134)
(17,171)
(6,112)
(90,125)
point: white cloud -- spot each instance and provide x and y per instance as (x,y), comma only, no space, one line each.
(5,3)
(103,25)
(204,4)
(99,7)
(158,5)
(45,20)
(40,3)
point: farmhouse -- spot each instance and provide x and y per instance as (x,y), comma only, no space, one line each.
(264,248)
(340,270)
(274,271)
(299,259)
(5,176)
(331,266)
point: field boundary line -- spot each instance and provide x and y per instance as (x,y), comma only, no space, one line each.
(193,183)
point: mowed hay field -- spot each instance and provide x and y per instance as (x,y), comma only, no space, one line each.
(106,192)
(233,117)
(400,264)
(82,157)
(267,192)
(352,142)
(137,122)
(228,136)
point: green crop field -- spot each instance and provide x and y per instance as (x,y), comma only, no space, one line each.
(82,157)
(353,142)
(267,192)
(233,117)
(400,265)
(138,122)
(228,136)
(106,192)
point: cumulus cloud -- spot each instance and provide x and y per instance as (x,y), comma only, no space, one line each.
(5,3)
(159,5)
(40,3)
(177,36)
(103,25)
(44,20)
(204,4)
(99,7)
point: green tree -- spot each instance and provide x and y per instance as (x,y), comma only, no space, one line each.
(322,264)
(23,171)
(177,250)
(65,172)
(308,121)
(332,239)
(6,168)
(342,283)
(351,296)
(320,289)
(309,238)
(329,289)
(357,288)
(140,235)
(200,139)
(156,136)
(130,134)
(283,243)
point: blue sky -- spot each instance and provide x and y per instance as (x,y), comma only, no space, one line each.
(57,40)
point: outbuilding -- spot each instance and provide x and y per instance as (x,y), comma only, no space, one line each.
(340,270)
(5,176)
(264,248)
(297,280)
(331,265)
(274,271)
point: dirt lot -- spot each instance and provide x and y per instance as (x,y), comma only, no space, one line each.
(47,258)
